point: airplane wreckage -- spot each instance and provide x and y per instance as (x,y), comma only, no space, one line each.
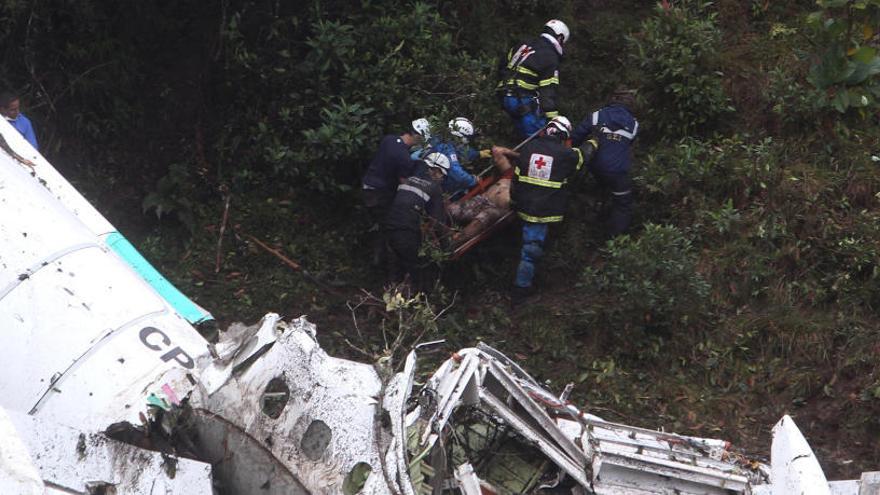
(107,388)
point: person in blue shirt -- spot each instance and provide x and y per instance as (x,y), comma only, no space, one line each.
(10,108)
(459,152)
(615,128)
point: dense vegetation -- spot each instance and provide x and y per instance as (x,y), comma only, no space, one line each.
(748,289)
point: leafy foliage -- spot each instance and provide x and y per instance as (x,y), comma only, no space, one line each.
(677,50)
(316,109)
(846,61)
(652,280)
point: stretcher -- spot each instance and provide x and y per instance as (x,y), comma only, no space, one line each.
(482,185)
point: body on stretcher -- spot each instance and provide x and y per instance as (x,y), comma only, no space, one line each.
(481,212)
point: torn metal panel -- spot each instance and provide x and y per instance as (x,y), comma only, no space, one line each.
(597,456)
(553,452)
(394,403)
(538,416)
(449,385)
(77,462)
(795,469)
(237,346)
(103,334)
(467,479)
(329,428)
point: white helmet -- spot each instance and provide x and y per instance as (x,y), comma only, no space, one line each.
(422,127)
(559,29)
(461,127)
(559,124)
(437,160)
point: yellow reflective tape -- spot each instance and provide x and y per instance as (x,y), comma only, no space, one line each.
(552,114)
(580,158)
(525,85)
(539,182)
(530,218)
(526,71)
(548,82)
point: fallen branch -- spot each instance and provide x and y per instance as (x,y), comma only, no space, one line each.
(224,190)
(296,266)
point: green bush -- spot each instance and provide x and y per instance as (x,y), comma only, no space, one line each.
(694,170)
(678,52)
(648,282)
(846,61)
(315,100)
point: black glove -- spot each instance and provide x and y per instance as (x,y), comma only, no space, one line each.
(588,149)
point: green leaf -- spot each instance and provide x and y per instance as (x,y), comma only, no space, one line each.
(862,71)
(865,55)
(841,101)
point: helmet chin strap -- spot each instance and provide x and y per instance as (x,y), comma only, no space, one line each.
(555,42)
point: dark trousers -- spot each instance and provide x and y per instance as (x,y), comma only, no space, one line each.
(378,202)
(619,186)
(404,261)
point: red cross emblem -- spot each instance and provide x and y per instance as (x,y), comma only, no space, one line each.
(540,166)
(540,162)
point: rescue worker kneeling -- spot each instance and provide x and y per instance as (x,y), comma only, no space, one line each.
(418,198)
(539,194)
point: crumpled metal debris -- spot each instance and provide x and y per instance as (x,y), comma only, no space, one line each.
(480,424)
(39,457)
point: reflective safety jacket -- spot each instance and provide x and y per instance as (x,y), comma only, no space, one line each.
(417,197)
(533,69)
(615,128)
(545,164)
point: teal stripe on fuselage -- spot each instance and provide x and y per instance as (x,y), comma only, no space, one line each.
(186,308)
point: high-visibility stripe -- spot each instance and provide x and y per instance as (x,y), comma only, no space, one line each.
(526,71)
(635,128)
(530,218)
(415,190)
(623,193)
(595,118)
(552,114)
(580,158)
(539,182)
(525,85)
(620,132)
(549,81)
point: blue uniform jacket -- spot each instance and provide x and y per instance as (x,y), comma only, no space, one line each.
(458,179)
(23,125)
(615,128)
(391,163)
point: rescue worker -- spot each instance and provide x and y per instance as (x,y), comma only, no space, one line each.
(539,194)
(390,166)
(418,198)
(459,151)
(530,78)
(615,128)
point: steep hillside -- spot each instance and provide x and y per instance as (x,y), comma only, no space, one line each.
(747,289)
